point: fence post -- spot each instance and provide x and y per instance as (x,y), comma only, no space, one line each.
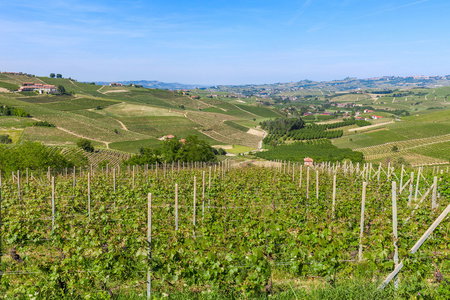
(53,203)
(363,203)
(394,227)
(307,183)
(195,196)
(301,175)
(89,196)
(317,184)
(334,196)
(417,185)
(133,177)
(0,228)
(209,184)
(18,185)
(401,177)
(149,241)
(410,189)
(433,197)
(114,179)
(176,206)
(203,195)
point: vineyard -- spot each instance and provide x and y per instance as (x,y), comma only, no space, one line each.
(242,230)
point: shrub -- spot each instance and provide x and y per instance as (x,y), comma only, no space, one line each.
(86,145)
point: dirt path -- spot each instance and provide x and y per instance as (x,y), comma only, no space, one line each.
(115,91)
(121,124)
(100,89)
(370,126)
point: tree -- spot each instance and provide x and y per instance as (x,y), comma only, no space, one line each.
(52,75)
(61,90)
(58,76)
(5,139)
(395,148)
(86,145)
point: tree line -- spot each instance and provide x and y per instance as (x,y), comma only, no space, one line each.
(192,149)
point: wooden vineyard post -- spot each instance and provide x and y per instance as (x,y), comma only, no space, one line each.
(416,247)
(18,185)
(0,228)
(301,175)
(379,173)
(209,184)
(149,241)
(53,203)
(133,177)
(394,226)
(293,172)
(27,177)
(410,189)
(203,195)
(0,178)
(363,204)
(417,185)
(433,196)
(195,196)
(176,206)
(334,197)
(317,184)
(307,183)
(73,176)
(89,196)
(114,180)
(401,176)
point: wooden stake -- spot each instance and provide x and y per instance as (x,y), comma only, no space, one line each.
(89,196)
(394,227)
(363,203)
(433,197)
(317,184)
(307,183)
(53,203)
(203,195)
(176,206)
(195,198)
(334,196)
(149,241)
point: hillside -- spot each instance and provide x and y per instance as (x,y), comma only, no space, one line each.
(126,118)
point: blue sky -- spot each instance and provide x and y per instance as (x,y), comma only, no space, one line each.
(225,41)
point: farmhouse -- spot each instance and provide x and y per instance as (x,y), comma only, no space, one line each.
(38,87)
(308,161)
(166,137)
(114,84)
(376,117)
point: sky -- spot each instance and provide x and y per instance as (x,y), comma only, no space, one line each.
(225,41)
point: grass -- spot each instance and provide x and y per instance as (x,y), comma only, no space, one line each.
(133,110)
(49,136)
(133,146)
(9,86)
(14,134)
(46,98)
(346,289)
(77,104)
(239,149)
(236,126)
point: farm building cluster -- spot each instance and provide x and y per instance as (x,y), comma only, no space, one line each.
(38,87)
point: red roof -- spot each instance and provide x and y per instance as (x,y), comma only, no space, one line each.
(308,159)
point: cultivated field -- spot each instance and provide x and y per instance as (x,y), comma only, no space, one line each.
(242,231)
